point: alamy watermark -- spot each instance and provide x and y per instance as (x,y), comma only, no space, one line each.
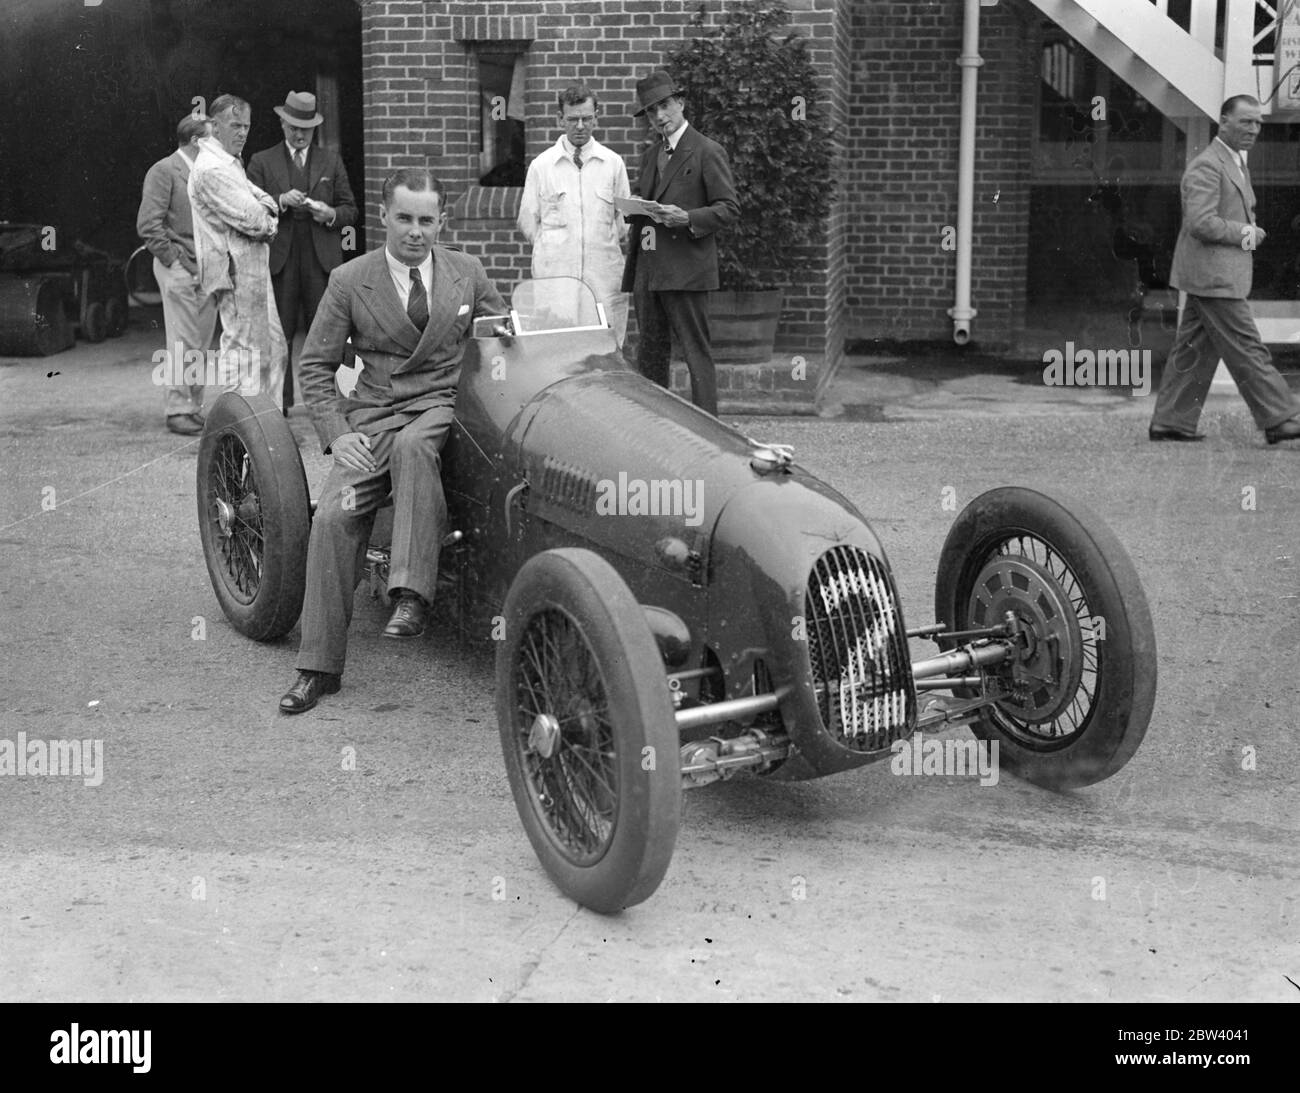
(656,497)
(1098,368)
(82,759)
(946,758)
(178,366)
(115,1047)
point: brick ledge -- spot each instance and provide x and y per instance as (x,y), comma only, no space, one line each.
(760,389)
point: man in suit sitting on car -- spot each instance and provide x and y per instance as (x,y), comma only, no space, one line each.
(409,311)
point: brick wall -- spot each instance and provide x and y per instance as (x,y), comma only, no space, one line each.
(903,131)
(421,93)
(420,103)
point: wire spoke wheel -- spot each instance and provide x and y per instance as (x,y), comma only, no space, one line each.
(1051,685)
(237,512)
(566,736)
(1072,702)
(587,730)
(254,516)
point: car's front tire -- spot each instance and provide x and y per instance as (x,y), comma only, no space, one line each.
(1082,688)
(587,729)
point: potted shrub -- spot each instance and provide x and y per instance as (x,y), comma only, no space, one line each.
(755,93)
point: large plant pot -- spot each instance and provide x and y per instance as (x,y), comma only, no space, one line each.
(742,325)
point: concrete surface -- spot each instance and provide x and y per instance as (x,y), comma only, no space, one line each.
(231,853)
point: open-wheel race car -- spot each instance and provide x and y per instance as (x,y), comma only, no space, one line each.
(673,602)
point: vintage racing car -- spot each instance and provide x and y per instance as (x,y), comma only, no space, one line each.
(673,602)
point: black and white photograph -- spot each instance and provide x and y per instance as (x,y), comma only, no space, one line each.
(639,501)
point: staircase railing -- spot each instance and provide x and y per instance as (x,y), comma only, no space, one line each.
(1258,42)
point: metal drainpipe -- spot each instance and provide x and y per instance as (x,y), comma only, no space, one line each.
(970,61)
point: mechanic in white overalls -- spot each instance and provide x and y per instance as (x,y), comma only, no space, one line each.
(568,211)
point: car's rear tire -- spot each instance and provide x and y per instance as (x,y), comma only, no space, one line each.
(115,317)
(587,729)
(94,325)
(254,515)
(1085,692)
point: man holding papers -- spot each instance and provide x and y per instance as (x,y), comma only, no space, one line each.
(672,260)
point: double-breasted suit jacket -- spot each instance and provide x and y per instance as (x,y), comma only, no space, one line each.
(405,372)
(698,180)
(404,403)
(272,170)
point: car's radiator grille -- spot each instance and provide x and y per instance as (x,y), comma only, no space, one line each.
(857,646)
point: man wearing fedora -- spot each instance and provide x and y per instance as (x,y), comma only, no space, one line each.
(311,188)
(672,259)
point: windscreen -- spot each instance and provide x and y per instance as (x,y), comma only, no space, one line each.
(553,303)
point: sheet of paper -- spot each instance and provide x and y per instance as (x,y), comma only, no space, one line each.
(636,206)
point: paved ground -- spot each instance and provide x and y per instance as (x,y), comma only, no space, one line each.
(230,854)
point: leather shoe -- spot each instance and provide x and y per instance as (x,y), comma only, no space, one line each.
(307,690)
(185,424)
(410,617)
(1157,433)
(1286,430)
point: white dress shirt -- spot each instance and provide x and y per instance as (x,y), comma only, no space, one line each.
(401,275)
(676,134)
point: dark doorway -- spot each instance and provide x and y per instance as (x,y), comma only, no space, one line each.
(92,93)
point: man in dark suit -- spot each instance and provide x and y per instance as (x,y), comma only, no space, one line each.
(672,260)
(408,310)
(316,204)
(1212,264)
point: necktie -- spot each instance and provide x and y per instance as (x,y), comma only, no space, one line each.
(577,158)
(417,304)
(665,150)
(300,158)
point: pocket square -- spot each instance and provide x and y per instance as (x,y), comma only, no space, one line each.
(464,310)
(346,378)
